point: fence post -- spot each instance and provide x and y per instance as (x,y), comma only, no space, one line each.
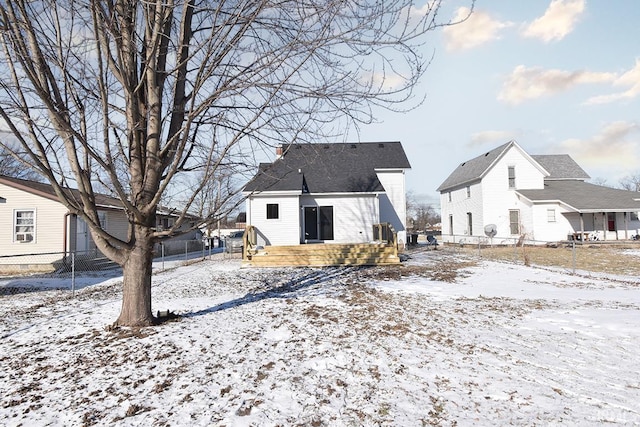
(73,274)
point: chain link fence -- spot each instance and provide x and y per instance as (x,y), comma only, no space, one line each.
(619,257)
(72,270)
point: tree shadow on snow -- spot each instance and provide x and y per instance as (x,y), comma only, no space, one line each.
(289,289)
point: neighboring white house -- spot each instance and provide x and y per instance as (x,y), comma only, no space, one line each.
(331,193)
(542,198)
(34,222)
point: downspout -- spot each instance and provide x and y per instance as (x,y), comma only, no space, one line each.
(64,233)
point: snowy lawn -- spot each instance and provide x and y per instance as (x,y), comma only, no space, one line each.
(443,340)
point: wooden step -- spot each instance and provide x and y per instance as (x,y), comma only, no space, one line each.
(323,255)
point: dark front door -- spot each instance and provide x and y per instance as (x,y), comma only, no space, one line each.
(318,223)
(611,220)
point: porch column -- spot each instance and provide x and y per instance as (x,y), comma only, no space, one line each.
(604,225)
(626,227)
(581,227)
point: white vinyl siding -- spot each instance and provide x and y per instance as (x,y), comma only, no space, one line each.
(498,199)
(48,227)
(460,205)
(353,215)
(393,202)
(284,230)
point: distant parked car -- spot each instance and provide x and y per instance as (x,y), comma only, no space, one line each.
(233,243)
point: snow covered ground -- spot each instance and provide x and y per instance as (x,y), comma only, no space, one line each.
(446,341)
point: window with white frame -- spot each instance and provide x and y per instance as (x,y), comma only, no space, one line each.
(512,177)
(551,215)
(24,225)
(514,221)
(163,223)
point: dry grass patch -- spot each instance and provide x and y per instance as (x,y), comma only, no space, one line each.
(595,258)
(446,270)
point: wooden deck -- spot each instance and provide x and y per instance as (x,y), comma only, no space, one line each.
(322,255)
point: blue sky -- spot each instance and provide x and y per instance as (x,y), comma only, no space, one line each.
(559,76)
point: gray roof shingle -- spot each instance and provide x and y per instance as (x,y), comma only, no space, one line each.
(585,197)
(473,169)
(561,166)
(329,168)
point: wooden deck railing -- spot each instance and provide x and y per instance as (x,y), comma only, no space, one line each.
(249,241)
(385,232)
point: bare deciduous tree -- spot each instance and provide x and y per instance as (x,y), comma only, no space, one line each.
(421,214)
(13,162)
(631,182)
(143,96)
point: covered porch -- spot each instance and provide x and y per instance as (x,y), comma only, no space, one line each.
(610,225)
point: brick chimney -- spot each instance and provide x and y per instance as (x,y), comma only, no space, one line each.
(278,151)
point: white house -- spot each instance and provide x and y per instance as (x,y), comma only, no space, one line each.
(537,197)
(331,193)
(34,222)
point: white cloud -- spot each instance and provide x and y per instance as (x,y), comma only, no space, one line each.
(615,146)
(630,79)
(558,20)
(531,83)
(428,8)
(477,29)
(491,136)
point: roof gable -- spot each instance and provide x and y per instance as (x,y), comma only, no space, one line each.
(476,168)
(329,168)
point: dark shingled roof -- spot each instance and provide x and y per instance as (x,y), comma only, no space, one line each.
(585,197)
(561,166)
(329,168)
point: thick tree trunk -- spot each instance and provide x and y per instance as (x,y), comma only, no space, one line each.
(136,289)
